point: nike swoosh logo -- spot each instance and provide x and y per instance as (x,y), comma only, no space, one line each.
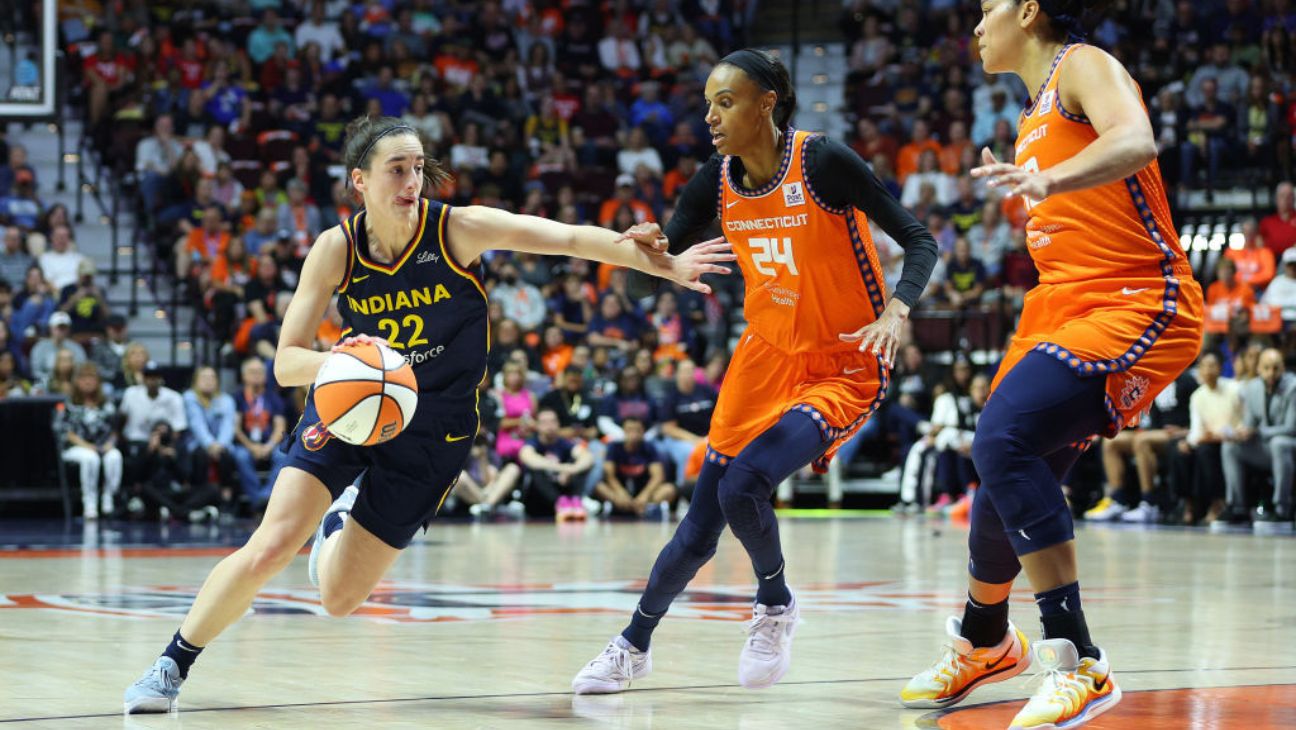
(852,371)
(732,203)
(359,278)
(991,665)
(1128,291)
(451,439)
(1098,686)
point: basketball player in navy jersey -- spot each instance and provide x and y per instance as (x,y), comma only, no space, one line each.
(407,271)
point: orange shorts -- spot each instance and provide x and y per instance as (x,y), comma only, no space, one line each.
(1137,346)
(837,389)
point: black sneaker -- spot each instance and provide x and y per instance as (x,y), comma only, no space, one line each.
(1265,513)
(1233,516)
(1273,520)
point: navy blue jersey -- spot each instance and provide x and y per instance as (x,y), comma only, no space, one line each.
(632,466)
(428,307)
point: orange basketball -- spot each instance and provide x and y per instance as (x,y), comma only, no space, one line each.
(365,394)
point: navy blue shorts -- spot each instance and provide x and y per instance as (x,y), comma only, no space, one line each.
(406,479)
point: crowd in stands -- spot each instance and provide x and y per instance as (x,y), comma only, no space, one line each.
(226,120)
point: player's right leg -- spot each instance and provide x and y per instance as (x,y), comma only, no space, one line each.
(627,656)
(983,646)
(296,505)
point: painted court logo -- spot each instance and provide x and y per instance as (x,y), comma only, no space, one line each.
(408,602)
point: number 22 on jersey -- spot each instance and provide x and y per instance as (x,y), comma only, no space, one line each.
(772,250)
(392,330)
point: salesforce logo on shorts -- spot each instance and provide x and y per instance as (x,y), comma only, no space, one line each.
(418,357)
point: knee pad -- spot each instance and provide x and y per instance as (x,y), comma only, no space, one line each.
(991,557)
(696,539)
(992,451)
(1054,528)
(743,487)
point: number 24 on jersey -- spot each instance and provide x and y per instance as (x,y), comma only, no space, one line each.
(776,251)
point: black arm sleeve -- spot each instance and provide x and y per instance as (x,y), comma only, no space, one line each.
(694,211)
(841,179)
(696,207)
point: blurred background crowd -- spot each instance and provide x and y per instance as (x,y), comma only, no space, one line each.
(222,125)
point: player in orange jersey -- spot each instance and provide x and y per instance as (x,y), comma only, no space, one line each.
(1116,318)
(813,362)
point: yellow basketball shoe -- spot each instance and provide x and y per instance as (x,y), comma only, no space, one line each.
(963,668)
(1074,691)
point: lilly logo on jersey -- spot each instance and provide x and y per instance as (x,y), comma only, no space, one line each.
(395,301)
(427,257)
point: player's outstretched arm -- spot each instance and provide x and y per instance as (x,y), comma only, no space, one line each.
(474,229)
(1096,86)
(296,363)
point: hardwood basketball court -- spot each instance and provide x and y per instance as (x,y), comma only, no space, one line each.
(484,625)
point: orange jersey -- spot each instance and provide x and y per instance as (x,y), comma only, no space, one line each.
(811,272)
(1116,294)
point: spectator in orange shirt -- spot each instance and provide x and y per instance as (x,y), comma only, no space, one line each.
(1228,289)
(678,176)
(1279,229)
(1255,262)
(557,352)
(234,266)
(625,197)
(330,329)
(221,285)
(920,141)
(951,154)
(203,244)
(455,66)
(1228,300)
(869,142)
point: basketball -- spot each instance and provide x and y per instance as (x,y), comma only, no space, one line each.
(365,394)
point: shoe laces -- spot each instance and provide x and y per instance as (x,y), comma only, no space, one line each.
(949,667)
(617,659)
(764,631)
(157,675)
(1059,688)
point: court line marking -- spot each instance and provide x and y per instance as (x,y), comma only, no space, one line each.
(509,695)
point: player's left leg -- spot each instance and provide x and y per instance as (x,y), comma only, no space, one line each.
(351,563)
(744,494)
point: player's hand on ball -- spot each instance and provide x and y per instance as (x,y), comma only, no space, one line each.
(648,236)
(688,268)
(882,336)
(360,339)
(1019,181)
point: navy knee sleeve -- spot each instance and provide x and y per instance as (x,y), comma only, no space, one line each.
(746,488)
(690,548)
(1023,440)
(744,498)
(991,558)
